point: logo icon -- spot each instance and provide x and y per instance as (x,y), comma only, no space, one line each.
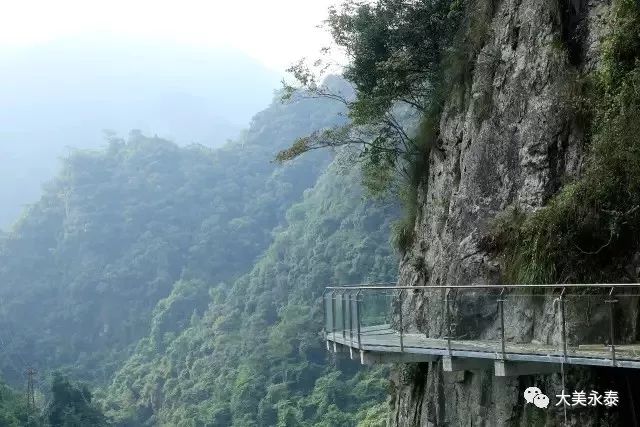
(530,393)
(541,401)
(534,395)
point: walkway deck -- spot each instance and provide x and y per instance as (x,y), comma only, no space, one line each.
(348,309)
(382,344)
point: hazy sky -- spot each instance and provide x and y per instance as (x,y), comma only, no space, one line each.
(275,32)
(175,68)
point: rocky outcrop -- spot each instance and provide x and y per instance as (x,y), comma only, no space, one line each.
(513,139)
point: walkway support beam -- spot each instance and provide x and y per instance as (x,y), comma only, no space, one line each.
(374,357)
(505,368)
(455,364)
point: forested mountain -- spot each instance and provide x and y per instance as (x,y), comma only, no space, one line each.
(64,93)
(183,283)
(82,271)
(255,357)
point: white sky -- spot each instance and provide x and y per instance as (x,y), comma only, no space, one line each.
(275,32)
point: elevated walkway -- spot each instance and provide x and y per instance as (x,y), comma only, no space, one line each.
(366,323)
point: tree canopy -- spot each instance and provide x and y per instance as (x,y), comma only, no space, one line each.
(254,356)
(118,227)
(182,284)
(71,405)
(395,50)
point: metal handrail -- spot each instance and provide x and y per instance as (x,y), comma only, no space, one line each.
(351,299)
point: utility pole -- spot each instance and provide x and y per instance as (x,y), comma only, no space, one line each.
(31,397)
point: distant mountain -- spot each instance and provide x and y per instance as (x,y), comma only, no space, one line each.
(119,226)
(66,93)
(183,283)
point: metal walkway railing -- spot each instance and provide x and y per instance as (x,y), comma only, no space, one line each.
(586,324)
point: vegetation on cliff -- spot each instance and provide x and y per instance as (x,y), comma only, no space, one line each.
(403,58)
(589,230)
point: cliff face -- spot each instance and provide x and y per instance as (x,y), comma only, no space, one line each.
(514,139)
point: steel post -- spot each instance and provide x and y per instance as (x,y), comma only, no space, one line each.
(501,308)
(358,319)
(333,315)
(563,320)
(401,327)
(344,317)
(324,313)
(448,310)
(611,301)
(349,302)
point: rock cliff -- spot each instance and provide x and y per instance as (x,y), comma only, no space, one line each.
(513,139)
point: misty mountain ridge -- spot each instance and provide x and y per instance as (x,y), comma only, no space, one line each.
(66,94)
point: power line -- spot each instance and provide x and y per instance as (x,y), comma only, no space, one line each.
(12,354)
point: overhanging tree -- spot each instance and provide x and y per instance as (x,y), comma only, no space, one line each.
(395,50)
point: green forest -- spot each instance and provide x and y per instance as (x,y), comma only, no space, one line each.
(155,284)
(160,285)
(181,286)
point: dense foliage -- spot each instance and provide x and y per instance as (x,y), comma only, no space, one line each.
(71,405)
(13,408)
(185,282)
(255,357)
(405,59)
(395,50)
(82,272)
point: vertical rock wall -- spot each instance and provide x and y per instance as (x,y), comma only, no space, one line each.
(513,139)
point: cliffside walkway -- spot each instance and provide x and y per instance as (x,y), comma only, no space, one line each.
(514,330)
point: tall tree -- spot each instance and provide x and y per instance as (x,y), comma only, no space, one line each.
(71,405)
